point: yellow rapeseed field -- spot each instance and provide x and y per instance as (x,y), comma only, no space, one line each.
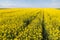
(30,24)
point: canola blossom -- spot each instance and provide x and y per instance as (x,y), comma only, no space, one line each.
(30,24)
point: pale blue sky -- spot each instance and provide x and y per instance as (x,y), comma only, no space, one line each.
(30,3)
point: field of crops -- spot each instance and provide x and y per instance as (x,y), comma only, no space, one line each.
(30,24)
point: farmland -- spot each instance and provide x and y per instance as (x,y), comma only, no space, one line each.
(30,24)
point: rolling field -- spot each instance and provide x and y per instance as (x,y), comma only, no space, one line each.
(30,24)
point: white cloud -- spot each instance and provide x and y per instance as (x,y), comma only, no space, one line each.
(7,4)
(55,4)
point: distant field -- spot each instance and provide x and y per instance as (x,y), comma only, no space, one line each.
(29,24)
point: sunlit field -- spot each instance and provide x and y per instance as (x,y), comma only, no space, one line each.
(29,24)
